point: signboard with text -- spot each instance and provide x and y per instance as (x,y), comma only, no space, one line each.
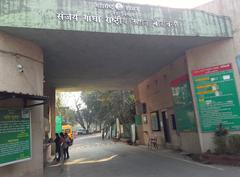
(58,128)
(183,105)
(15,133)
(217,98)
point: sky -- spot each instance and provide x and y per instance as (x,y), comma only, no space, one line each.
(170,3)
(69,99)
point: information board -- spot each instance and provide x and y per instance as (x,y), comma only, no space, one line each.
(217,98)
(183,105)
(58,128)
(15,133)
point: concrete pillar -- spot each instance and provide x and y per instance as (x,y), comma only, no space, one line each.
(50,111)
(14,51)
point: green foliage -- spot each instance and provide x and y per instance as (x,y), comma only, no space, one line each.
(220,144)
(220,140)
(225,143)
(106,106)
(234,144)
(59,104)
(221,132)
(67,113)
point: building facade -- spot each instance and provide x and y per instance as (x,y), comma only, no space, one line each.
(115,45)
(206,77)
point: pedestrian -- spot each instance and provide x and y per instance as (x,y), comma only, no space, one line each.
(67,143)
(58,147)
(62,145)
(103,134)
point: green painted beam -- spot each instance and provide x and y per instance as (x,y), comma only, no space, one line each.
(111,17)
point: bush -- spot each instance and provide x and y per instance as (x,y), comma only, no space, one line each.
(225,143)
(233,142)
(220,144)
(220,140)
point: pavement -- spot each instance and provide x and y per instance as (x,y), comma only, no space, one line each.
(92,157)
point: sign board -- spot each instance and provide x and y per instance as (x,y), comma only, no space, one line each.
(217,98)
(15,133)
(58,128)
(183,104)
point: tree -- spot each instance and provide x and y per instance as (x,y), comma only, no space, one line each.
(67,114)
(79,114)
(107,106)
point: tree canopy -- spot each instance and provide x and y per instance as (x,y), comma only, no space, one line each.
(101,107)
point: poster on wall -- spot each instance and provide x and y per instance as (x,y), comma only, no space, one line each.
(217,98)
(183,105)
(15,133)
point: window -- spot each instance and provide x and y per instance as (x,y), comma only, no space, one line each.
(174,126)
(144,108)
(155,121)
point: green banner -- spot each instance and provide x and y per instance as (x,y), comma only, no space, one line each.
(58,128)
(15,133)
(217,98)
(183,105)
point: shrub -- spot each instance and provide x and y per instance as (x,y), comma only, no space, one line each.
(233,142)
(220,140)
(220,144)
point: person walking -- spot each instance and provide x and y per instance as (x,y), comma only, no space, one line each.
(67,143)
(62,142)
(58,147)
(103,134)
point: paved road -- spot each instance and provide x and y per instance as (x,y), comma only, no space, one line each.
(92,157)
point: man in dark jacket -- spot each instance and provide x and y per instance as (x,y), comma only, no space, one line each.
(58,147)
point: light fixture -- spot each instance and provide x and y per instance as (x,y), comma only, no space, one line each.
(20,68)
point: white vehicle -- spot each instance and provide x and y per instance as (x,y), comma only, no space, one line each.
(81,131)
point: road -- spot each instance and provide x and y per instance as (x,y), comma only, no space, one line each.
(92,157)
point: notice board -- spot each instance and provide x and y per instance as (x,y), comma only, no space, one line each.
(15,133)
(183,104)
(58,128)
(217,98)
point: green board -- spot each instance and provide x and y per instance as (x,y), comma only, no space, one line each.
(58,124)
(183,105)
(15,133)
(216,97)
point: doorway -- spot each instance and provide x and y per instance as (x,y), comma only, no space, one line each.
(166,127)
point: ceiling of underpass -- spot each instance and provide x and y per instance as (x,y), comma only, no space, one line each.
(88,60)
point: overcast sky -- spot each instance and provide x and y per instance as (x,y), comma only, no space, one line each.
(170,3)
